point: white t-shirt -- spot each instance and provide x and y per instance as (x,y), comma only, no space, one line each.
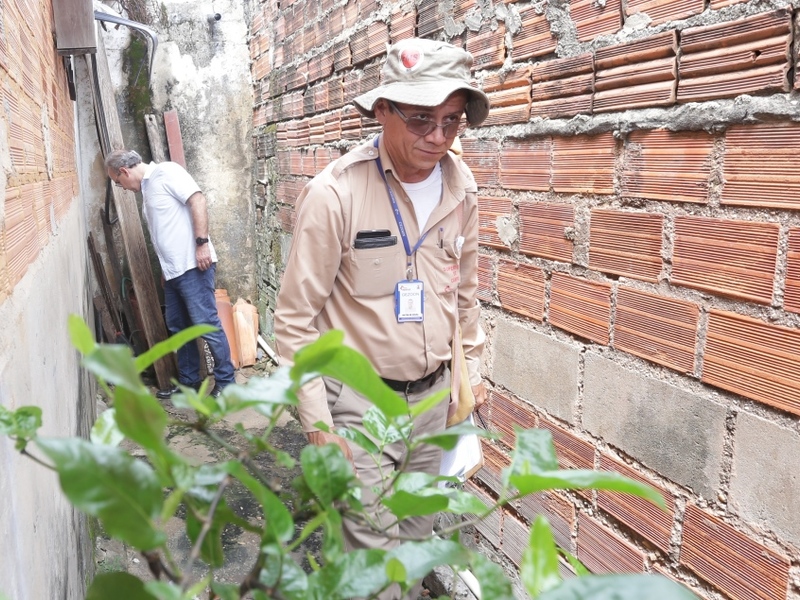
(165,189)
(425,195)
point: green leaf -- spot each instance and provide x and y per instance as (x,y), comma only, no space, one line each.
(264,394)
(413,481)
(357,573)
(493,581)
(163,590)
(539,568)
(581,479)
(211,547)
(117,585)
(225,591)
(105,482)
(114,363)
(382,429)
(573,561)
(280,570)
(420,558)
(404,505)
(448,438)
(21,423)
(619,587)
(428,403)
(396,571)
(533,452)
(358,438)
(171,344)
(279,525)
(463,503)
(140,417)
(327,472)
(327,356)
(81,335)
(105,430)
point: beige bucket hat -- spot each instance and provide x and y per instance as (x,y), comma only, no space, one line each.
(424,73)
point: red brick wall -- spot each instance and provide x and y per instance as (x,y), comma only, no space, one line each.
(37,123)
(634,197)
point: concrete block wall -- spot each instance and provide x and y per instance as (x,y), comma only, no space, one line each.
(640,259)
(47,551)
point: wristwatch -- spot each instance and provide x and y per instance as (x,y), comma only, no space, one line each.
(200,241)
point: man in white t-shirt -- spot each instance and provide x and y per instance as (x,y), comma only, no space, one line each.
(177,216)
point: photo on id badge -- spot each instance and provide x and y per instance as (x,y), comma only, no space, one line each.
(409,301)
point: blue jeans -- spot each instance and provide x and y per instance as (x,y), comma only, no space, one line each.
(190,300)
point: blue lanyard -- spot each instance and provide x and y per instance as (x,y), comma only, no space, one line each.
(399,218)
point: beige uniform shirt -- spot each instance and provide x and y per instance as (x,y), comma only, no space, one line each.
(329,284)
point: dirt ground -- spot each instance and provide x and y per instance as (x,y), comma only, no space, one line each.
(240,547)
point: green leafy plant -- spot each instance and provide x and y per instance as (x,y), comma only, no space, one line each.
(134,498)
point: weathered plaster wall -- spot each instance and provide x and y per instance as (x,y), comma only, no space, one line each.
(44,277)
(201,71)
(640,253)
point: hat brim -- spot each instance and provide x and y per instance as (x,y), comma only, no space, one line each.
(425,93)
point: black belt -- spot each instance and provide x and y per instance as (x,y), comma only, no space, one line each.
(415,387)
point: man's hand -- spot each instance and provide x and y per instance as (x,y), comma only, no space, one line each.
(203,256)
(479,391)
(320,438)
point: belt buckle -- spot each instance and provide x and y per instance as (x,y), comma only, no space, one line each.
(409,385)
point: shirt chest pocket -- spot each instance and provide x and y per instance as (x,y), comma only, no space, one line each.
(448,266)
(376,271)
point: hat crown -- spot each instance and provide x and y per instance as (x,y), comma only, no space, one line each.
(417,60)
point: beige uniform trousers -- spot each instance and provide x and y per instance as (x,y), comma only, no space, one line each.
(347,409)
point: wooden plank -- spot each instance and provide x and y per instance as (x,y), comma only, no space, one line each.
(128,214)
(106,322)
(174,140)
(155,136)
(102,281)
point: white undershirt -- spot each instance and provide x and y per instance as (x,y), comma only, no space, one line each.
(425,195)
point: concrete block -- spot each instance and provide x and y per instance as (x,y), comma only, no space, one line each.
(537,368)
(765,478)
(676,433)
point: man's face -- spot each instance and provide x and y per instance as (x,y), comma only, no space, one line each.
(414,156)
(123,179)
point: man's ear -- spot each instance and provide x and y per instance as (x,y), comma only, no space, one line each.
(381,110)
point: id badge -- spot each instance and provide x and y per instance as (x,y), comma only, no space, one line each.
(409,301)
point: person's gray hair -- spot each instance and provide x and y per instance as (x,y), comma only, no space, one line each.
(122,158)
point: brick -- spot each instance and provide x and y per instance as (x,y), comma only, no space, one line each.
(661,11)
(507,412)
(526,164)
(729,560)
(676,433)
(729,258)
(489,527)
(508,115)
(487,47)
(559,512)
(543,230)
(494,461)
(563,87)
(547,378)
(593,19)
(664,165)
(757,360)
(562,107)
(515,538)
(581,307)
(402,23)
(482,156)
(642,516)
(761,167)
(430,17)
(626,243)
(662,330)
(533,37)
(495,213)
(20,235)
(485,277)
(653,47)
(584,164)
(571,451)
(603,551)
(521,289)
(764,486)
(791,300)
(746,56)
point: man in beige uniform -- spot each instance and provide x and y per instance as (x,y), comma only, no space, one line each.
(395,217)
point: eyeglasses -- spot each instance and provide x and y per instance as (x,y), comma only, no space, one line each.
(422,126)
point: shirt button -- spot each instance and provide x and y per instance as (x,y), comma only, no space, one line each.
(377,261)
